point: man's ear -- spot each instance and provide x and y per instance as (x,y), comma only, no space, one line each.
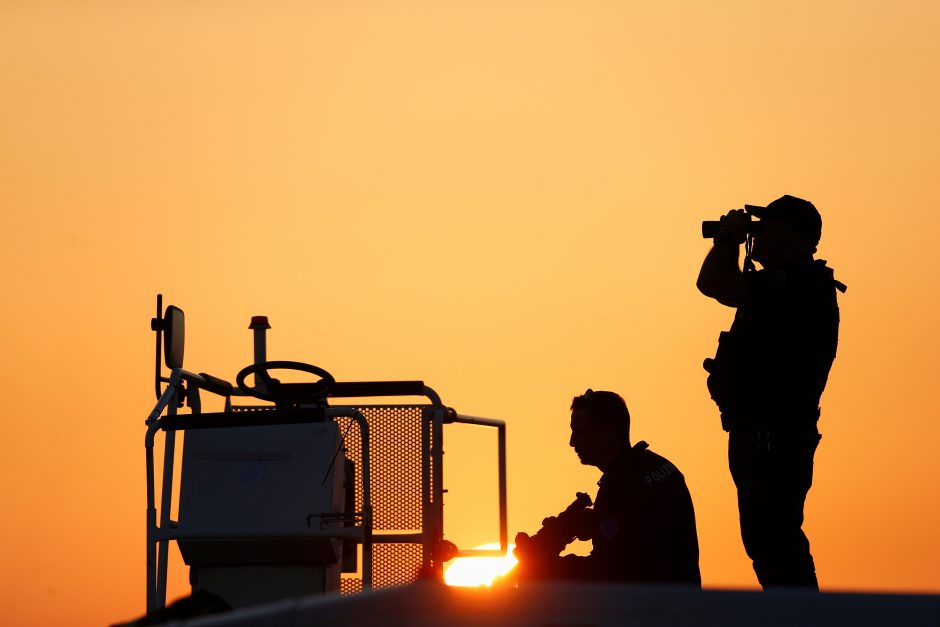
(612,433)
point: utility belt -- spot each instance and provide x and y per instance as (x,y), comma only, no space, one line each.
(790,422)
(747,399)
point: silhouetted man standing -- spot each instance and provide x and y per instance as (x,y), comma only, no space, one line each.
(642,525)
(769,373)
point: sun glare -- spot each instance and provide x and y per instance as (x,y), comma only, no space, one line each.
(479,571)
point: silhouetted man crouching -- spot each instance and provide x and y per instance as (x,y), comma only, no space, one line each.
(642,525)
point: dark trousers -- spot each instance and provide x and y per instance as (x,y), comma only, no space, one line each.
(773,472)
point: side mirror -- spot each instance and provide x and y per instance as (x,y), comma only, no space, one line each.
(174,336)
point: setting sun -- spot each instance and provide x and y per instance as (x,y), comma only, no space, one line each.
(479,571)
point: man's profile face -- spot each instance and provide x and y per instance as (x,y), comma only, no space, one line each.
(588,438)
(775,242)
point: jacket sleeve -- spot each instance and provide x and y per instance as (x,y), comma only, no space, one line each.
(649,536)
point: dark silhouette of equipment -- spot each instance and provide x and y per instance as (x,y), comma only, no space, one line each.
(276,500)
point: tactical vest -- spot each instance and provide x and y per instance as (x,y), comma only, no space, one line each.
(772,365)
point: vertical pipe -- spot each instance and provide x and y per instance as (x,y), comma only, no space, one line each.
(432,512)
(438,473)
(169,395)
(151,532)
(166,503)
(426,514)
(366,501)
(367,551)
(503,523)
(193,399)
(157,325)
(260,326)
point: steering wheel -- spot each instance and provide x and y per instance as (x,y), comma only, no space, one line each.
(285,393)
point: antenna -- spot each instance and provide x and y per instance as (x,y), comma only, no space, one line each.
(156,324)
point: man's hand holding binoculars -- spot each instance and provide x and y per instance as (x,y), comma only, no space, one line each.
(734,227)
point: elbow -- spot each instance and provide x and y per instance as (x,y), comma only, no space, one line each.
(705,287)
(725,294)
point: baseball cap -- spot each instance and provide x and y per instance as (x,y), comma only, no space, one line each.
(795,212)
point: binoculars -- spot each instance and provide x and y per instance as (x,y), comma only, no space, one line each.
(710,228)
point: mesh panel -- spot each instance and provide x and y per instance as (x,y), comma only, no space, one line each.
(395,460)
(397,493)
(393,565)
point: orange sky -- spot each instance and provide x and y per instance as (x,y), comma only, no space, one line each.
(501,198)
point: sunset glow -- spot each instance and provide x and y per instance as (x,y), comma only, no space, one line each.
(479,571)
(501,199)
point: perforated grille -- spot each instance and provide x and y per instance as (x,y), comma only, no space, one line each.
(397,492)
(350,585)
(395,460)
(400,564)
(393,565)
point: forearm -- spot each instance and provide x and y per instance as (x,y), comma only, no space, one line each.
(720,276)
